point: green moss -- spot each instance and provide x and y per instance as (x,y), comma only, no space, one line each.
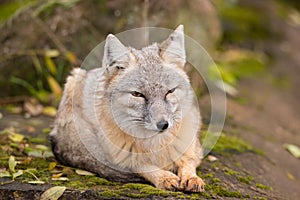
(135,186)
(206,195)
(245,179)
(216,180)
(143,190)
(108,194)
(223,192)
(208,175)
(262,186)
(231,144)
(230,172)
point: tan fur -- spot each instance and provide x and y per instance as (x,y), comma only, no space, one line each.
(87,134)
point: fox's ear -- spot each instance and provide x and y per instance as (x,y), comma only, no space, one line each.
(114,52)
(172,50)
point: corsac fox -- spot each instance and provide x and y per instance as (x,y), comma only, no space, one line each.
(135,118)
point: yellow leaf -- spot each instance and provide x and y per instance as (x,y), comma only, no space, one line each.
(49,111)
(54,86)
(16,137)
(293,149)
(52,165)
(12,164)
(50,65)
(71,57)
(53,193)
(57,175)
(290,176)
(52,53)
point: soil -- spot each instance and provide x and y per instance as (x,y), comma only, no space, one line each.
(267,118)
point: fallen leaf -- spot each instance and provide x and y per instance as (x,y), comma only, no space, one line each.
(15,137)
(52,53)
(290,176)
(16,174)
(42,147)
(57,175)
(60,179)
(293,149)
(12,164)
(4,174)
(36,182)
(53,193)
(35,152)
(84,173)
(212,158)
(52,165)
(49,111)
(33,107)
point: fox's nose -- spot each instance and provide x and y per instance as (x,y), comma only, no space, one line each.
(162,125)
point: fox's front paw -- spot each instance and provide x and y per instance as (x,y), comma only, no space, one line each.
(192,184)
(168,182)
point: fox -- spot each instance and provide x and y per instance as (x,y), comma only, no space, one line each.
(134,118)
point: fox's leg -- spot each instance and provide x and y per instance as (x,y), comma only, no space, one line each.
(162,179)
(189,181)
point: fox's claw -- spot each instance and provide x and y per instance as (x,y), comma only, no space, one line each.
(192,184)
(170,182)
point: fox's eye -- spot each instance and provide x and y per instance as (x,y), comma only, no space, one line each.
(170,91)
(137,94)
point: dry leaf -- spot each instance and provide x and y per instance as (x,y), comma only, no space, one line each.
(57,175)
(293,149)
(52,53)
(60,179)
(290,176)
(53,193)
(33,107)
(36,182)
(84,173)
(212,158)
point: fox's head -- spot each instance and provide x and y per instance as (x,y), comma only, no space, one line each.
(148,89)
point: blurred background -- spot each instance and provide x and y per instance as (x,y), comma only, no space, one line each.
(255,44)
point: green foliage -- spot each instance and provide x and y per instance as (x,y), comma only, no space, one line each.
(47,88)
(242,23)
(236,64)
(9,8)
